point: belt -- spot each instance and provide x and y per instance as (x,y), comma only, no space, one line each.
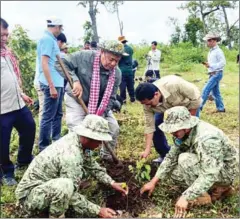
(213,72)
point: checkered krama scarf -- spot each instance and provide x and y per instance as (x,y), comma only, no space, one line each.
(95,89)
(5,52)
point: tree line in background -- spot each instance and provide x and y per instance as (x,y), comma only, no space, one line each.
(204,16)
(183,52)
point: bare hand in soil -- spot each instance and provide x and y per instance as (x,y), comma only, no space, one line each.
(118,187)
(106,213)
(144,154)
(181,207)
(150,186)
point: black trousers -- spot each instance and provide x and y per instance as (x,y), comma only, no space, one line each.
(127,83)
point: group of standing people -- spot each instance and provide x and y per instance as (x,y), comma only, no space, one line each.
(202,156)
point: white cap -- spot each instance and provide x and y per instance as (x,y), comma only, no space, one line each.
(54,21)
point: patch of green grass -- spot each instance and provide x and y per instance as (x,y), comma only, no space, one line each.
(131,143)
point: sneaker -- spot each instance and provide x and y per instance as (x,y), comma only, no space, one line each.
(9,181)
(158,160)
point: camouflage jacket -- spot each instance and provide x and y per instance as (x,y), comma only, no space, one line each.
(63,159)
(216,154)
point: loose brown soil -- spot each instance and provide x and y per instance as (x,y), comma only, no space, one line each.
(126,206)
(133,204)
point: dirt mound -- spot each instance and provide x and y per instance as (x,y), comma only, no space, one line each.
(134,204)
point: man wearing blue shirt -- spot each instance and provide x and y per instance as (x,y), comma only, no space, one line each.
(51,83)
(215,66)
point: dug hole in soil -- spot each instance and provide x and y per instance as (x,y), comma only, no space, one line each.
(133,204)
(126,206)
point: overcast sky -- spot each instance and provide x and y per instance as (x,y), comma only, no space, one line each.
(146,20)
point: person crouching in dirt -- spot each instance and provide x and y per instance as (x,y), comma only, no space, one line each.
(202,158)
(52,179)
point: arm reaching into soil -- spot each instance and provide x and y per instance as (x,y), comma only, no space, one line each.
(98,172)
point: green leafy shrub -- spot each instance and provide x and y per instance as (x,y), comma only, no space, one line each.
(25,50)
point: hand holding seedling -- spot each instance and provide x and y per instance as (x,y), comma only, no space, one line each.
(121,187)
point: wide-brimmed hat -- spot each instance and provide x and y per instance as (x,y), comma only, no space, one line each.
(178,118)
(114,47)
(94,127)
(212,36)
(122,39)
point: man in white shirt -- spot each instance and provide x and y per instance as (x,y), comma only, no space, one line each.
(153,62)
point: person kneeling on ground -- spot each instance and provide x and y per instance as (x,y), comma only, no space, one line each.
(52,179)
(203,158)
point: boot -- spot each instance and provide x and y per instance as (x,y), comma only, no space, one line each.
(204,199)
(221,192)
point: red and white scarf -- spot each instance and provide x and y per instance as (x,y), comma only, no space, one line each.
(95,89)
(5,52)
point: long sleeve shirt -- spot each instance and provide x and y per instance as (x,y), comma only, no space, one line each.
(216,154)
(154,59)
(80,68)
(63,159)
(11,99)
(216,59)
(175,92)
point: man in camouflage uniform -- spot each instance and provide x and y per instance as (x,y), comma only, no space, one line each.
(203,158)
(81,66)
(52,179)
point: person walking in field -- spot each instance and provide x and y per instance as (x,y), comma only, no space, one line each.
(13,114)
(157,97)
(215,65)
(202,159)
(52,181)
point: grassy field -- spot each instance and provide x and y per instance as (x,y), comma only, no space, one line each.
(131,143)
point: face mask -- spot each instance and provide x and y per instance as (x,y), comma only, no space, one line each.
(178,141)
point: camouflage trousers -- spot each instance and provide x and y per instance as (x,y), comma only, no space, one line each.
(188,170)
(57,195)
(75,115)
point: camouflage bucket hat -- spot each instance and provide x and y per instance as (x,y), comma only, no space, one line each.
(178,118)
(94,127)
(114,47)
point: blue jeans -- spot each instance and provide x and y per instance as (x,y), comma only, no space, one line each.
(159,139)
(212,85)
(51,118)
(24,123)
